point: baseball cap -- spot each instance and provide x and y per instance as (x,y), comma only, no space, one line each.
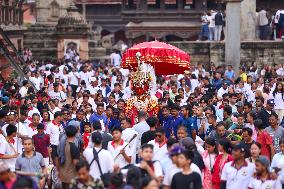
(74,123)
(3,167)
(92,79)
(187,143)
(263,160)
(239,147)
(176,149)
(5,99)
(239,104)
(165,93)
(270,102)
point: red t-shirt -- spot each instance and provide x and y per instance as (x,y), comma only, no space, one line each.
(86,139)
(265,140)
(42,142)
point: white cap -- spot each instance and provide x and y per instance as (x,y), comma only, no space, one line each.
(92,79)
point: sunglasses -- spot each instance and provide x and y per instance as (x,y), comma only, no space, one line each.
(11,113)
(159,136)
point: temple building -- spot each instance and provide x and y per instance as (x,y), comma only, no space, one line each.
(134,21)
(11,23)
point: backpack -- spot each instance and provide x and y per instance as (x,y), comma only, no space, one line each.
(105,177)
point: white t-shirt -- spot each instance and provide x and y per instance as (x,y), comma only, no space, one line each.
(23,91)
(36,81)
(279,101)
(60,95)
(105,159)
(127,134)
(160,152)
(236,179)
(93,90)
(256,183)
(73,76)
(84,76)
(6,149)
(54,131)
(65,78)
(221,92)
(173,169)
(120,161)
(115,59)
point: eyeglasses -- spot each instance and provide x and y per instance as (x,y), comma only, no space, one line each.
(159,136)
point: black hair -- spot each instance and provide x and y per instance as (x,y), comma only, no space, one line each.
(188,154)
(253,115)
(212,116)
(221,123)
(241,115)
(257,144)
(211,141)
(152,121)
(144,146)
(97,125)
(96,138)
(260,98)
(71,131)
(128,120)
(120,100)
(40,126)
(273,114)
(160,130)
(10,129)
(81,164)
(248,105)
(110,107)
(258,123)
(100,104)
(146,181)
(57,114)
(133,177)
(25,82)
(116,179)
(228,109)
(170,142)
(226,144)
(281,141)
(35,114)
(24,182)
(86,123)
(116,129)
(175,107)
(248,130)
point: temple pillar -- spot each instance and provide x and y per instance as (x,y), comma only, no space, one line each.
(142,5)
(84,8)
(179,5)
(199,5)
(233,37)
(123,4)
(248,20)
(162,5)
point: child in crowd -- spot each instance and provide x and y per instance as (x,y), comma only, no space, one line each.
(42,143)
(86,134)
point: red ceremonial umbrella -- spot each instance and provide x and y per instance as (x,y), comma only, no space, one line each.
(165,58)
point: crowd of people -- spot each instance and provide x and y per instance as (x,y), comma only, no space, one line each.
(67,128)
(268,25)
